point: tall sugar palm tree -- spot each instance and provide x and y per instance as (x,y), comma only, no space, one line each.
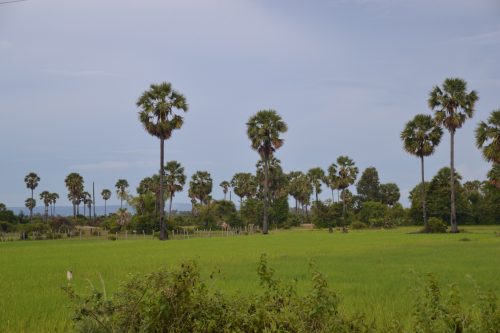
(157,115)
(316,177)
(74,183)
(244,185)
(31,180)
(121,190)
(85,197)
(174,181)
(452,105)
(225,185)
(200,186)
(332,179)
(53,199)
(488,139)
(264,130)
(294,186)
(347,174)
(420,137)
(106,194)
(45,197)
(30,203)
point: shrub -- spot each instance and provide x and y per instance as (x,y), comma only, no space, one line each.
(436,225)
(7,227)
(356,225)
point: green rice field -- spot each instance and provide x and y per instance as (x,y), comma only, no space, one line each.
(374,270)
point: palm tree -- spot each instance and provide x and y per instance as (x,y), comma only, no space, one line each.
(316,177)
(225,187)
(347,174)
(421,136)
(293,186)
(158,118)
(88,202)
(31,181)
(53,199)
(30,203)
(85,197)
(244,185)
(452,105)
(74,184)
(200,186)
(488,139)
(121,190)
(263,130)
(106,194)
(304,190)
(45,196)
(174,181)
(332,179)
(3,207)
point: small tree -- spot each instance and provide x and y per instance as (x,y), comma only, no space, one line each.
(121,190)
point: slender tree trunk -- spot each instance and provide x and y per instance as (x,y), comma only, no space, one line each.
(265,225)
(316,195)
(46,213)
(344,211)
(170,206)
(74,210)
(90,211)
(453,216)
(230,199)
(333,199)
(31,208)
(93,197)
(296,207)
(121,203)
(163,235)
(84,209)
(225,196)
(105,208)
(424,203)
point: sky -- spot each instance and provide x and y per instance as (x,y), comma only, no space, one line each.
(345,75)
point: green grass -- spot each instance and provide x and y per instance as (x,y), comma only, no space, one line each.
(371,269)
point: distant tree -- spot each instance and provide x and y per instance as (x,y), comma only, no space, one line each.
(264,130)
(368,186)
(488,139)
(53,199)
(159,119)
(304,190)
(74,184)
(347,173)
(85,197)
(45,197)
(225,185)
(3,208)
(106,194)
(294,186)
(174,180)
(201,186)
(30,203)
(389,194)
(88,202)
(31,181)
(421,136)
(316,177)
(332,179)
(452,105)
(121,190)
(276,179)
(244,185)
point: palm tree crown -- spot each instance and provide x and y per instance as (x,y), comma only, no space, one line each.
(452,104)
(488,137)
(157,110)
(421,136)
(31,180)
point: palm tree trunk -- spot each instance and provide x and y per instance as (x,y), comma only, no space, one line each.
(333,199)
(296,207)
(344,211)
(453,216)
(162,217)
(170,206)
(424,203)
(265,226)
(121,203)
(31,208)
(316,195)
(105,208)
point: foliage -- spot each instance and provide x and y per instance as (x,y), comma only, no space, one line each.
(200,186)
(325,216)
(251,211)
(180,300)
(368,186)
(389,193)
(436,225)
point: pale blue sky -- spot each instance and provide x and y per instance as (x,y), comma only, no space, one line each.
(345,76)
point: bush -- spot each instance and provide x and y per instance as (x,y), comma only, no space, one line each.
(436,225)
(180,301)
(356,225)
(7,227)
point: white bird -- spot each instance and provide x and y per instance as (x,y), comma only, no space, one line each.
(69,275)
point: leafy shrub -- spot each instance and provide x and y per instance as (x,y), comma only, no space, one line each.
(356,225)
(436,225)
(7,227)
